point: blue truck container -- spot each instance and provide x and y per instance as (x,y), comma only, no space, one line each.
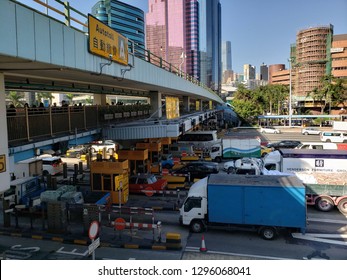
(265,204)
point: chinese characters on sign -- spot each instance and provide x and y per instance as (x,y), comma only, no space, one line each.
(106,42)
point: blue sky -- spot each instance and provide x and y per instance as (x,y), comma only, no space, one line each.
(261,30)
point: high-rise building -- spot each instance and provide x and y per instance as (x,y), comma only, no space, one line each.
(210,43)
(227,73)
(165,31)
(264,72)
(125,19)
(312,59)
(248,72)
(339,56)
(226,56)
(187,33)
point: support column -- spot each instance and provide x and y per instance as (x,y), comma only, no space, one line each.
(99,99)
(156,106)
(186,103)
(4,160)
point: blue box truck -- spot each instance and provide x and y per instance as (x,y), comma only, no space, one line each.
(265,204)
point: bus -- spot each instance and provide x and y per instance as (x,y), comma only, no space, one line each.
(201,140)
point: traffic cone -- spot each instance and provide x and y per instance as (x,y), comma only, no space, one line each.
(203,246)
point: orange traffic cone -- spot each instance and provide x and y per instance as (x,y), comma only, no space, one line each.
(203,246)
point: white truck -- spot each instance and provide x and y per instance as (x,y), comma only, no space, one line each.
(339,125)
(323,172)
(306,160)
(235,148)
(24,192)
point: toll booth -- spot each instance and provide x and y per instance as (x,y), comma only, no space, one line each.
(111,177)
(154,154)
(138,160)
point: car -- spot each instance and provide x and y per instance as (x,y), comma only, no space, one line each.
(284,144)
(270,129)
(109,145)
(229,166)
(197,170)
(310,131)
(142,182)
(77,151)
(167,161)
(51,164)
(265,150)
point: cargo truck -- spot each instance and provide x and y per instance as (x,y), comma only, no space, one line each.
(306,160)
(234,148)
(264,204)
(24,192)
(323,172)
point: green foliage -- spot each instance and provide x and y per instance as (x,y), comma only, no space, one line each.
(332,92)
(249,104)
(15,98)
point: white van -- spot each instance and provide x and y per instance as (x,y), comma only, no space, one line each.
(334,136)
(317,146)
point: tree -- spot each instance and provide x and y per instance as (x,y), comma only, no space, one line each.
(332,91)
(15,98)
(89,100)
(70,97)
(45,95)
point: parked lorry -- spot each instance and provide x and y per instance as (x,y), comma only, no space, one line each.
(24,192)
(234,148)
(265,204)
(323,172)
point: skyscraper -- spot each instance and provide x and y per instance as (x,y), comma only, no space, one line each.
(125,19)
(210,43)
(264,72)
(187,33)
(248,72)
(226,56)
(165,31)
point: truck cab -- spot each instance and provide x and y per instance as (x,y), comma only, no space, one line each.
(194,208)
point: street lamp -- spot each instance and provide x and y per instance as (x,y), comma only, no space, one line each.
(183,56)
(290,91)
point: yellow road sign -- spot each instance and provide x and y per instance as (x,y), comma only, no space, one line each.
(106,42)
(2,163)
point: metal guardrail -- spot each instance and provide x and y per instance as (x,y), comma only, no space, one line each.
(27,124)
(70,15)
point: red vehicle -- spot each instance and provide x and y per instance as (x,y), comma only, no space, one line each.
(142,183)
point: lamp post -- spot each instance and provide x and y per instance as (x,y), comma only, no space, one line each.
(290,91)
(183,56)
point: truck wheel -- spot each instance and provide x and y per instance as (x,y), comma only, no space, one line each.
(218,159)
(196,226)
(342,206)
(268,233)
(324,204)
(78,155)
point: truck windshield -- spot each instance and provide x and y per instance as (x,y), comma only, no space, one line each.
(192,202)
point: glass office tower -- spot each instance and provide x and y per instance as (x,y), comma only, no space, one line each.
(187,33)
(125,19)
(210,43)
